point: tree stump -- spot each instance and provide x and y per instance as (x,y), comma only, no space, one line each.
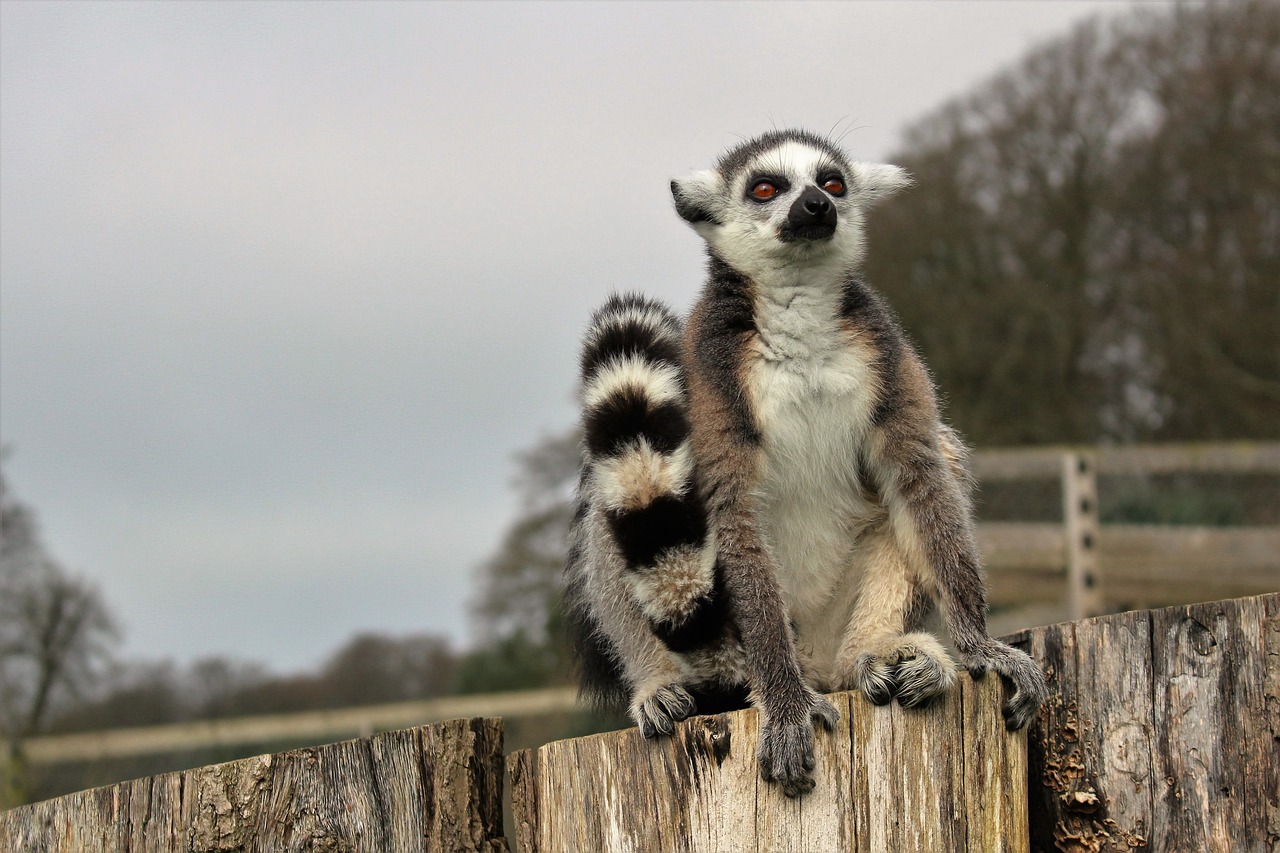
(434,789)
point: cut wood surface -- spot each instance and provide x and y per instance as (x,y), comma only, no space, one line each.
(1162,731)
(945,778)
(432,789)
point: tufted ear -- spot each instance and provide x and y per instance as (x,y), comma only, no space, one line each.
(878,181)
(698,198)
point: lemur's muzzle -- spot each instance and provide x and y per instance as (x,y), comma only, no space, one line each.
(812,217)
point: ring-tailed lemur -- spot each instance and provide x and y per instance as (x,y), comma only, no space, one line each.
(770,504)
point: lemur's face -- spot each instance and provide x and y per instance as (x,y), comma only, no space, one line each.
(786,199)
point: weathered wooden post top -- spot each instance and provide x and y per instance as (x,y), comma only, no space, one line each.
(947,778)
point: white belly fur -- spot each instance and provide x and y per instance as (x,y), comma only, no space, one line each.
(813,388)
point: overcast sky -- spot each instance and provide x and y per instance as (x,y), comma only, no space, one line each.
(284,286)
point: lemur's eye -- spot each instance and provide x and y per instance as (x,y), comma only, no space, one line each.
(833,185)
(764,190)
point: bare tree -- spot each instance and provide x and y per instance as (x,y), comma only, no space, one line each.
(55,633)
(520,583)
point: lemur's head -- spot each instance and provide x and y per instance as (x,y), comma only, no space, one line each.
(787,199)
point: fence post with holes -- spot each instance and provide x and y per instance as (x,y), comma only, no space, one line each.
(1080,517)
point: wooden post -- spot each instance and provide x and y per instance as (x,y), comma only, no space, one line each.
(1080,517)
(434,789)
(1162,731)
(944,778)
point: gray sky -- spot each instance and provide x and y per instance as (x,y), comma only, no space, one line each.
(284,286)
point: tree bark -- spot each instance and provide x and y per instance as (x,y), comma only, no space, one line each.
(1162,731)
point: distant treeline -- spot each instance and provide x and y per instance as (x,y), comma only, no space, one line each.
(369,669)
(1092,248)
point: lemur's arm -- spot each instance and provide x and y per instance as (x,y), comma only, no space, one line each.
(727,445)
(913,460)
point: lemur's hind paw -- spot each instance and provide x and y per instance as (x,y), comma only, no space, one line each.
(914,668)
(1017,669)
(923,678)
(874,676)
(659,713)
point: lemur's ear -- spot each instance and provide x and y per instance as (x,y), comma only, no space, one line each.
(698,198)
(878,181)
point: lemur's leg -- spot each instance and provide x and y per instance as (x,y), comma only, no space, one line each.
(622,664)
(883,654)
(789,708)
(913,464)
(730,456)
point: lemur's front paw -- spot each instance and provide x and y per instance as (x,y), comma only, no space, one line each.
(658,713)
(786,745)
(1017,669)
(915,668)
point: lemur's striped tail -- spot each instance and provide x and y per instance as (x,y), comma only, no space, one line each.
(641,465)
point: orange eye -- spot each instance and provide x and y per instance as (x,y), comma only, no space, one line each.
(764,190)
(835,186)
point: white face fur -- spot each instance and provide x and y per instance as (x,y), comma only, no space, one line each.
(744,215)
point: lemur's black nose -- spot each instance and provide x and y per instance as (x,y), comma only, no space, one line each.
(816,204)
(812,217)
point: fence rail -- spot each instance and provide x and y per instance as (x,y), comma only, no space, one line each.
(1023,463)
(1141,565)
(312,726)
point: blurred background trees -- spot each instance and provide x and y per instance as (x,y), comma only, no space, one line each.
(1091,251)
(516,612)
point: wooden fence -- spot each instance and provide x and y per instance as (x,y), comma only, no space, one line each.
(1081,567)
(1162,733)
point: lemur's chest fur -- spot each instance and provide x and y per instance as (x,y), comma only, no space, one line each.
(812,387)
